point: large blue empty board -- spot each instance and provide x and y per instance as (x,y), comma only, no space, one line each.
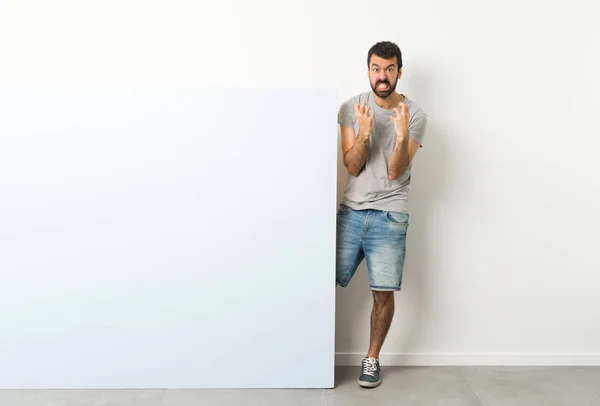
(167,238)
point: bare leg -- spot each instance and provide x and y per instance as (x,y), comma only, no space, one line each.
(381,319)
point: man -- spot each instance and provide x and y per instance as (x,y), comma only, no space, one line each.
(381,132)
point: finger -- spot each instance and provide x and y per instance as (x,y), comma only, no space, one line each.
(357,110)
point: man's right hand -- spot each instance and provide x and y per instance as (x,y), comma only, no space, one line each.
(365,120)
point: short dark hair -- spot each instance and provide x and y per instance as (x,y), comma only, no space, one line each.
(385,50)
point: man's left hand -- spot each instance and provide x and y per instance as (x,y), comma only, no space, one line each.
(400,118)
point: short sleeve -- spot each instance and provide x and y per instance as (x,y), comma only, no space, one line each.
(346,115)
(417,127)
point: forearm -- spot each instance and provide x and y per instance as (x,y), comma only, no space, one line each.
(356,157)
(399,160)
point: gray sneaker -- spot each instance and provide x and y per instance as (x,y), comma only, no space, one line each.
(370,374)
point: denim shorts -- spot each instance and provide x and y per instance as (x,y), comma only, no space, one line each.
(374,235)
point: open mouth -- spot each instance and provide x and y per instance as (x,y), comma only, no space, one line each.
(383,87)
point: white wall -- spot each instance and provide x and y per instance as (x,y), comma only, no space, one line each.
(501,266)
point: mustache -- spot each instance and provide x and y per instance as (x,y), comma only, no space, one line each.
(385,82)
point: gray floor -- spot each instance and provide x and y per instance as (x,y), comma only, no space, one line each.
(447,386)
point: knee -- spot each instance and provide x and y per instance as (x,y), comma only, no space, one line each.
(383,298)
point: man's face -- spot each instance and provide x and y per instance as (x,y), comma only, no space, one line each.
(383,75)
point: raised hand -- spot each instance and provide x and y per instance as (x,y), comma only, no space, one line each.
(364,119)
(400,118)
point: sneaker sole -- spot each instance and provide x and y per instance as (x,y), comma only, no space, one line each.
(369,384)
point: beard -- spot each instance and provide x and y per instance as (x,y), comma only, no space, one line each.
(383,93)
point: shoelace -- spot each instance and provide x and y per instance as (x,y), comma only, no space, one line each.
(369,366)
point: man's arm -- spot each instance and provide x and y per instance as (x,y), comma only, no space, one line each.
(401,157)
(356,150)
(405,148)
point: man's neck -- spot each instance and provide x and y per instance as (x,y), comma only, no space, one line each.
(389,102)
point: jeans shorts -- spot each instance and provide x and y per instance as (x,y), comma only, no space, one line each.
(377,236)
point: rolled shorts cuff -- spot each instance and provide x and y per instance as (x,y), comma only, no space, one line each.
(385,288)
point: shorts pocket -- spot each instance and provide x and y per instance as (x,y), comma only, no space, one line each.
(343,209)
(396,218)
